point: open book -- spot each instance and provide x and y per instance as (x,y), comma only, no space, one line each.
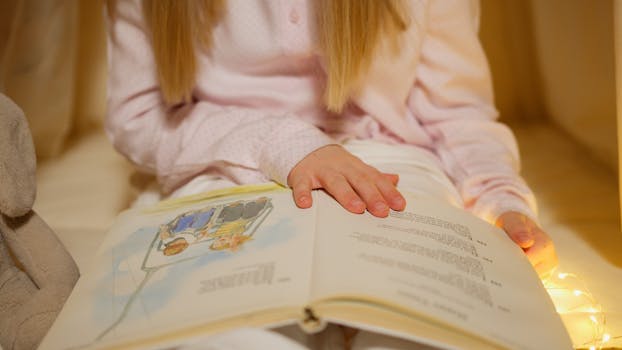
(433,274)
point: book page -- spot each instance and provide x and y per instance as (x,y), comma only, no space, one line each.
(437,262)
(161,272)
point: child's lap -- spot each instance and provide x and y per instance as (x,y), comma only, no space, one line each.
(419,170)
(334,337)
(292,338)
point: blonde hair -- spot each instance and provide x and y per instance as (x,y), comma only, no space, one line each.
(178,28)
(348,32)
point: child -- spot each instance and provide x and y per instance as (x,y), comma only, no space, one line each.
(340,95)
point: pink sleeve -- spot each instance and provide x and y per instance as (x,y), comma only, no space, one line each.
(179,142)
(453,100)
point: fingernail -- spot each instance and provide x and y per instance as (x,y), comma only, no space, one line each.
(380,207)
(398,202)
(303,200)
(525,240)
(357,203)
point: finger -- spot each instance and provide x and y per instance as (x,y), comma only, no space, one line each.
(393,178)
(544,263)
(302,187)
(519,230)
(546,268)
(338,187)
(542,254)
(366,188)
(392,196)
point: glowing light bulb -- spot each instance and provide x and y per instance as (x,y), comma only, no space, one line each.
(562,275)
(593,318)
(577,292)
(592,347)
(606,337)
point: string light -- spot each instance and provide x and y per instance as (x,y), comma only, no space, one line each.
(573,299)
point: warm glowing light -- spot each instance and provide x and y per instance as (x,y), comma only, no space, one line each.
(573,298)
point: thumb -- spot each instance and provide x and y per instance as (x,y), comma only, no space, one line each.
(517,227)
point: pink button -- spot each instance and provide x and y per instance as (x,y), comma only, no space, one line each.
(294,17)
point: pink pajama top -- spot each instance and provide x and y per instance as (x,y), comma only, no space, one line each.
(257,105)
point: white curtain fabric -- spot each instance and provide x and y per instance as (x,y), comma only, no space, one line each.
(573,45)
(38,66)
(553,60)
(618,62)
(53,65)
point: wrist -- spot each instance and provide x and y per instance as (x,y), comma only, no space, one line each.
(288,149)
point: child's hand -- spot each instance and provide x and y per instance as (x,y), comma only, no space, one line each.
(354,184)
(535,243)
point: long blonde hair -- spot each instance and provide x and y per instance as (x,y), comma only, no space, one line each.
(348,33)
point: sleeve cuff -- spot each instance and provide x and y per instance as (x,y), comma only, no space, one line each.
(490,206)
(289,146)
